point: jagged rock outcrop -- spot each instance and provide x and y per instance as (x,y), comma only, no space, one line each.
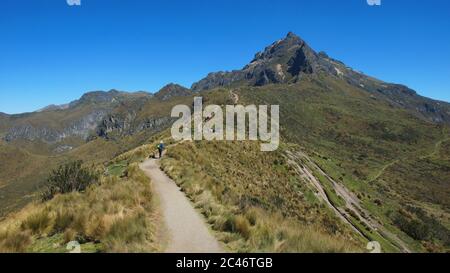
(116,123)
(119,125)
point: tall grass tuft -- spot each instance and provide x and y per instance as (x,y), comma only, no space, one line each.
(38,223)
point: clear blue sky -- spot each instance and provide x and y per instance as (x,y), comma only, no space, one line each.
(52,53)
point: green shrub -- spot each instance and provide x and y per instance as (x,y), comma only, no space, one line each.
(414,228)
(67,178)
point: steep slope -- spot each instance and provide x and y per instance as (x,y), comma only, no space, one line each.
(291,59)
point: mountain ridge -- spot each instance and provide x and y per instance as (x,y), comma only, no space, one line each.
(286,61)
(75,119)
(291,59)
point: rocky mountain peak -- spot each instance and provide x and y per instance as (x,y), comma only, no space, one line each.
(291,35)
(290,59)
(282,49)
(283,61)
(172,90)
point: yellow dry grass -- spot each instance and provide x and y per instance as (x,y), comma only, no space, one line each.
(117,215)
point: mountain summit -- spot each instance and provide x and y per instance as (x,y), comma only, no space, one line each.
(285,61)
(291,59)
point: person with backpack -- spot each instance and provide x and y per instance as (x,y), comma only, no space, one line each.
(161,148)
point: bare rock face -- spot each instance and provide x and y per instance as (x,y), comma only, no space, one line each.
(29,132)
(123,124)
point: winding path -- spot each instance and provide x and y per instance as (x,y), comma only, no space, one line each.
(186,228)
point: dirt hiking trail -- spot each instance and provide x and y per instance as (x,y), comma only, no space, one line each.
(186,228)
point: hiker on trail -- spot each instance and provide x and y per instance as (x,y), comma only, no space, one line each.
(161,148)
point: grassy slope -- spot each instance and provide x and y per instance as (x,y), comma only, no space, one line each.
(24,172)
(357,139)
(374,149)
(19,170)
(117,215)
(236,201)
(254,200)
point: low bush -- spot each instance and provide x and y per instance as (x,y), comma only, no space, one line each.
(67,178)
(414,228)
